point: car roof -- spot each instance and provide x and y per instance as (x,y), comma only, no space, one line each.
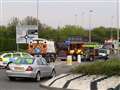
(27,57)
(15,53)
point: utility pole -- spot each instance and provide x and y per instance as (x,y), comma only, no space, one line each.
(82,19)
(76,19)
(111,31)
(117,14)
(90,15)
(37,7)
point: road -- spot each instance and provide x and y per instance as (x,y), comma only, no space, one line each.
(24,84)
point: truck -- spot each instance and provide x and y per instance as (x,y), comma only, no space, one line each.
(88,51)
(94,52)
(47,48)
(111,45)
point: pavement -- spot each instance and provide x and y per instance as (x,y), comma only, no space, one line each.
(27,84)
(83,82)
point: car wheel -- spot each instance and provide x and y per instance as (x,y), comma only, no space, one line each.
(53,74)
(37,79)
(12,78)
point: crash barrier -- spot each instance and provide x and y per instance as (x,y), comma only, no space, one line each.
(79,58)
(69,60)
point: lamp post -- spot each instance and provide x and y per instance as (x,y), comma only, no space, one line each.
(82,19)
(37,8)
(117,14)
(111,31)
(90,15)
(76,19)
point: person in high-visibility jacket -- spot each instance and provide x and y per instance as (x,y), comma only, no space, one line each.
(78,51)
(71,52)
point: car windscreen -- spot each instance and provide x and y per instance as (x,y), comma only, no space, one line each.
(16,55)
(24,61)
(7,56)
(102,51)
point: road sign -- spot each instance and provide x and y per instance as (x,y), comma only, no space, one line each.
(67,42)
(25,33)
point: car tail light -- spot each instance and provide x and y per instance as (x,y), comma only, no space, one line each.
(29,68)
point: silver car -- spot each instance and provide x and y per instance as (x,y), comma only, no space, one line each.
(35,68)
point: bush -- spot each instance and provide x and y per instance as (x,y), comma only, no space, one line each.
(111,67)
(8,44)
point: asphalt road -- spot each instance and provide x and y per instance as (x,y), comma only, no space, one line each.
(24,84)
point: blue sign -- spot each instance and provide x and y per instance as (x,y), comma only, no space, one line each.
(37,50)
(67,42)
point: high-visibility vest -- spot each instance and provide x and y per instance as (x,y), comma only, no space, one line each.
(78,51)
(71,51)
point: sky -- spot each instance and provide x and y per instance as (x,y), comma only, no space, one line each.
(62,12)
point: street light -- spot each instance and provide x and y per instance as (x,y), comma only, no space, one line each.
(90,15)
(117,14)
(111,31)
(37,7)
(76,19)
(82,19)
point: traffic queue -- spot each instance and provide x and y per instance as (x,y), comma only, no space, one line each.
(24,65)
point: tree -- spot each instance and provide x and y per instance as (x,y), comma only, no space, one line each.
(29,20)
(14,21)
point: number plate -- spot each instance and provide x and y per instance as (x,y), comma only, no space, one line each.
(19,69)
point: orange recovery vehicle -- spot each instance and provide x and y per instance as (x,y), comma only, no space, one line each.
(47,48)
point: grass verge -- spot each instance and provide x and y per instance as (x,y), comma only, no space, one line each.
(110,67)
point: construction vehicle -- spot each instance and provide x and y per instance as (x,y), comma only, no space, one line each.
(47,48)
(88,51)
(76,48)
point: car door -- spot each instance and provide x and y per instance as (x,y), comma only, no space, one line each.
(47,68)
(6,58)
(40,67)
(15,56)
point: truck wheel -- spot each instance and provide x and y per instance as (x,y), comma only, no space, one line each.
(91,59)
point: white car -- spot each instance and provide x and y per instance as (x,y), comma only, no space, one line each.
(103,54)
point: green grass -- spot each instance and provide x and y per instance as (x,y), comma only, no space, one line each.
(110,67)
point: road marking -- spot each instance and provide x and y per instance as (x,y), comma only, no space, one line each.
(110,82)
(68,82)
(93,85)
(58,79)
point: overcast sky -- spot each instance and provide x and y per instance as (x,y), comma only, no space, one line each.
(62,12)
